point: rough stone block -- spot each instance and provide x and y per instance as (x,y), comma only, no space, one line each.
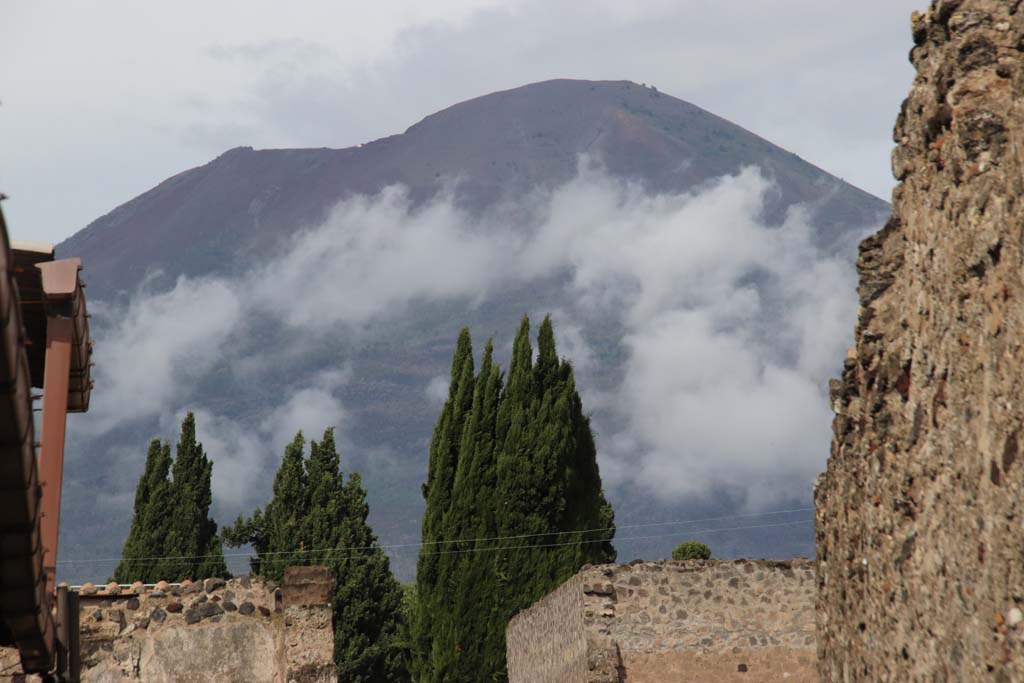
(307,586)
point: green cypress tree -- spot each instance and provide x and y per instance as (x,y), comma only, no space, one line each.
(159,512)
(318,517)
(275,532)
(367,600)
(549,483)
(463,637)
(526,476)
(441,469)
(192,549)
(150,521)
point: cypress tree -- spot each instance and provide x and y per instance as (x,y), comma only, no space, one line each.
(526,476)
(317,516)
(437,491)
(368,601)
(192,548)
(159,512)
(466,581)
(172,536)
(275,532)
(549,483)
(150,521)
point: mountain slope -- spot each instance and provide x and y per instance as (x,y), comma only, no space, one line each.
(498,146)
(239,210)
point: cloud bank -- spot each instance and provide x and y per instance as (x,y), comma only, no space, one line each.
(727,329)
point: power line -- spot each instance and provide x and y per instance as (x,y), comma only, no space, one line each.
(331,551)
(628,538)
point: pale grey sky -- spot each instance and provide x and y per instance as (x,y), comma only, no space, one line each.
(101,101)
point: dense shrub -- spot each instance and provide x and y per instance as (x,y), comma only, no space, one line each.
(691,550)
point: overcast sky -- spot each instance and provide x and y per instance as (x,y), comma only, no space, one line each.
(101,101)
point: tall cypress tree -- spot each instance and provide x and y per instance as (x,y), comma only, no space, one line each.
(526,484)
(275,531)
(192,548)
(466,582)
(172,536)
(150,521)
(317,516)
(437,491)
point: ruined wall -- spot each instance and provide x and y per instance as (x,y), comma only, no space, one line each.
(214,631)
(919,526)
(650,622)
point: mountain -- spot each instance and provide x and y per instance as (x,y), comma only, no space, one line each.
(243,208)
(238,206)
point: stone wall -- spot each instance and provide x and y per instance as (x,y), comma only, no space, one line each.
(920,522)
(215,631)
(650,622)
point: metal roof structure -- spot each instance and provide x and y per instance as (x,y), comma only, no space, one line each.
(44,343)
(24,258)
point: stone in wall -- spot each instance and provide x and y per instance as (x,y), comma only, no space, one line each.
(538,652)
(651,622)
(10,668)
(919,515)
(308,634)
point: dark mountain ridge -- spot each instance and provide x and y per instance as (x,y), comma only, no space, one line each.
(498,146)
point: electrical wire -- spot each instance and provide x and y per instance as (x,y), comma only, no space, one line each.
(329,552)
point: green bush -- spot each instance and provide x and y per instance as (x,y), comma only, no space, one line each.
(691,550)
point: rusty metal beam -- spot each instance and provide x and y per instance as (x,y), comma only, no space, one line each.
(59,334)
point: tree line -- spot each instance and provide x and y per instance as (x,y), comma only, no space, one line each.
(512,480)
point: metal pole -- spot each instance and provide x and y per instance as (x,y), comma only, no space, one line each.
(51,450)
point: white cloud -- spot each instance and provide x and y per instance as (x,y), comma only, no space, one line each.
(731,328)
(375,256)
(244,451)
(163,343)
(571,340)
(437,389)
(709,409)
(240,454)
(310,409)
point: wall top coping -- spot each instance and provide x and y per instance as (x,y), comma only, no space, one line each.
(589,576)
(161,588)
(699,565)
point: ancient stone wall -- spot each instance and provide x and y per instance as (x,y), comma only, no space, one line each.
(650,622)
(919,515)
(214,631)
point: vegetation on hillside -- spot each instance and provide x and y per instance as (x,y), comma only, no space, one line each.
(511,482)
(172,536)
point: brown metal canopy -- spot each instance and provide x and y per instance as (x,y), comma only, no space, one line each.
(49,288)
(44,343)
